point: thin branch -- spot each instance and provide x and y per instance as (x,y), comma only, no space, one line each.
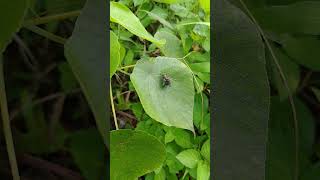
(47,19)
(6,125)
(54,168)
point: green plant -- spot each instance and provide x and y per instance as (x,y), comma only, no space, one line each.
(160,87)
(40,54)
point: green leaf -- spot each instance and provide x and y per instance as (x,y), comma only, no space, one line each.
(134,153)
(281,140)
(169,137)
(67,79)
(299,17)
(203,170)
(312,173)
(161,175)
(122,15)
(189,158)
(183,138)
(171,105)
(205,150)
(88,152)
(168,1)
(203,67)
(290,69)
(174,47)
(205,5)
(11,15)
(86,52)
(114,53)
(241,95)
(304,50)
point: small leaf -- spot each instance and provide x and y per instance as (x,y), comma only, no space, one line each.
(183,138)
(205,150)
(203,170)
(203,67)
(174,47)
(122,15)
(161,175)
(168,1)
(114,53)
(134,154)
(172,104)
(205,5)
(189,158)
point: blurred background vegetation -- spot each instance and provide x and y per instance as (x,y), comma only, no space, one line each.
(53,127)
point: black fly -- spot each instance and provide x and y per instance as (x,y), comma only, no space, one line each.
(165,80)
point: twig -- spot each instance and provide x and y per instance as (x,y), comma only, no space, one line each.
(113,109)
(51,167)
(55,117)
(6,125)
(15,113)
(46,34)
(32,64)
(126,114)
(47,19)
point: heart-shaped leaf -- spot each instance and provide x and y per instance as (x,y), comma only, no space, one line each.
(134,154)
(166,91)
(86,52)
(122,15)
(11,17)
(114,53)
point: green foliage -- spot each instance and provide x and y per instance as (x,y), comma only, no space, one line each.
(171,105)
(87,60)
(241,96)
(162,89)
(12,13)
(134,153)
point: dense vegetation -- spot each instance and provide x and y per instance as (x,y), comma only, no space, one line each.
(160,65)
(53,127)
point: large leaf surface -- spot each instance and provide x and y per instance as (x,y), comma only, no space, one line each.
(241,96)
(281,141)
(88,152)
(11,16)
(300,17)
(304,50)
(171,105)
(86,52)
(134,153)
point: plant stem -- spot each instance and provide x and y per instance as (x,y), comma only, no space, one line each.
(46,34)
(47,19)
(283,77)
(126,67)
(6,125)
(113,109)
